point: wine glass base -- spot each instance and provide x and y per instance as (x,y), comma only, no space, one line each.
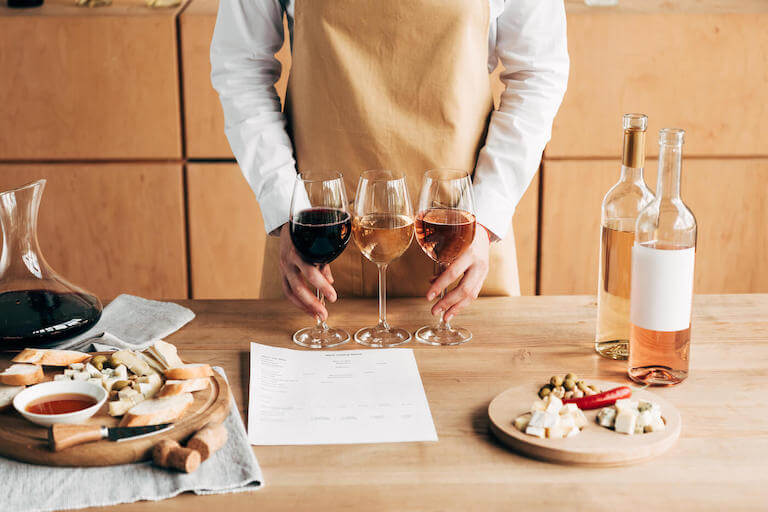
(430,335)
(380,337)
(315,337)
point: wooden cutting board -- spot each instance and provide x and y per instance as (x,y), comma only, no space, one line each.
(26,442)
(595,445)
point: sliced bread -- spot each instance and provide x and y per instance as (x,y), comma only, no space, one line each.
(22,375)
(177,387)
(7,393)
(166,353)
(50,357)
(189,371)
(157,410)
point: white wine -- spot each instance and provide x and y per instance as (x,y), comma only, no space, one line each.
(382,237)
(612,336)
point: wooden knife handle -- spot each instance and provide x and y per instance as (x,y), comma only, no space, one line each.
(61,436)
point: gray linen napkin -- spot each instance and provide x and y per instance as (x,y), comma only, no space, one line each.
(133,322)
(28,488)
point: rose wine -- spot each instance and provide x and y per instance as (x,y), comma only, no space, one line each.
(444,233)
(320,234)
(612,335)
(382,237)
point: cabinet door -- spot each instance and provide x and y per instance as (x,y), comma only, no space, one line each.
(111,228)
(525,224)
(203,119)
(89,83)
(226,233)
(682,64)
(727,196)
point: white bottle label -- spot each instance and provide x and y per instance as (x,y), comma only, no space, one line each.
(662,288)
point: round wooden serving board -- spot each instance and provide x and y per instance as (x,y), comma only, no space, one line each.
(595,445)
(26,442)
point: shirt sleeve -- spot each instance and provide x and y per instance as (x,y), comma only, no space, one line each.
(532,46)
(244,70)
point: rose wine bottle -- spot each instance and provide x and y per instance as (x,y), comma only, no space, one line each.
(621,207)
(662,276)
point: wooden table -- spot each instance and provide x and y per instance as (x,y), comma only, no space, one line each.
(720,461)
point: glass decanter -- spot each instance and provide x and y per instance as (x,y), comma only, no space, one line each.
(37,306)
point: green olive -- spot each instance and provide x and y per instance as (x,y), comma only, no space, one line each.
(571,376)
(594,388)
(544,391)
(98,361)
(556,381)
(581,385)
(121,384)
(569,384)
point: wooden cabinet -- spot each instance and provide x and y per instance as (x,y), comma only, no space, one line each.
(727,196)
(204,120)
(698,65)
(89,84)
(111,228)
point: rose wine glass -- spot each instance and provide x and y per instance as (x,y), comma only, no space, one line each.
(445,228)
(383,230)
(320,230)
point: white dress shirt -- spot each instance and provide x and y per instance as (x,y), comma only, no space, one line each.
(527,36)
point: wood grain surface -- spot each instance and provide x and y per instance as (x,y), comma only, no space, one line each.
(594,445)
(111,228)
(718,462)
(23,441)
(727,196)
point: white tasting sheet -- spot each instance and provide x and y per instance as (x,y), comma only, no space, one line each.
(336,397)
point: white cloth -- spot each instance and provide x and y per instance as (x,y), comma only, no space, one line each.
(131,322)
(527,36)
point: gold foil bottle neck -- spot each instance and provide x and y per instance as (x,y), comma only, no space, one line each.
(634,148)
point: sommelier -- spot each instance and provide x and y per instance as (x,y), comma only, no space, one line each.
(395,84)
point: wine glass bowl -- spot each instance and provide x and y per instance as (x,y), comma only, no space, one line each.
(320,229)
(445,227)
(382,229)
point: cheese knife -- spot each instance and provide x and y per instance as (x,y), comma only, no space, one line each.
(61,436)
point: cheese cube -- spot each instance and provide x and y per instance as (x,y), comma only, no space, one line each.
(70,372)
(81,376)
(522,421)
(626,404)
(626,421)
(92,370)
(108,372)
(127,393)
(121,372)
(536,431)
(60,376)
(555,432)
(569,409)
(574,431)
(567,422)
(607,416)
(579,418)
(644,418)
(645,405)
(543,419)
(538,405)
(554,404)
(77,366)
(657,425)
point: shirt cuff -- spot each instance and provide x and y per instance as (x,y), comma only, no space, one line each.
(494,212)
(276,208)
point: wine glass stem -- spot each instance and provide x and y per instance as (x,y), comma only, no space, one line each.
(383,296)
(320,324)
(442,324)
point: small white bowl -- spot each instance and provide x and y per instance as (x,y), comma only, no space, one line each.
(22,400)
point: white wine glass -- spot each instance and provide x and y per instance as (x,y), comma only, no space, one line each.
(445,228)
(320,230)
(383,229)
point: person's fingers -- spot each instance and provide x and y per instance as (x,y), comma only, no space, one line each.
(468,288)
(306,297)
(454,310)
(292,298)
(451,274)
(318,280)
(326,270)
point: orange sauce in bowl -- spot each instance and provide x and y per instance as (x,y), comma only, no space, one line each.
(61,403)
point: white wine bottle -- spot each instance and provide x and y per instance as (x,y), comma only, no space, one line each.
(621,206)
(662,276)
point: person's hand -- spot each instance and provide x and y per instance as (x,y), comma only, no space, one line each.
(473,263)
(295,271)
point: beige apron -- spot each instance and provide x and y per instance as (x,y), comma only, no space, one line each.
(390,84)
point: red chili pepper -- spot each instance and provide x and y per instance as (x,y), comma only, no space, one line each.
(599,400)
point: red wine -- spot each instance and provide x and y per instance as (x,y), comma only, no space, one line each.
(320,234)
(444,233)
(37,316)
